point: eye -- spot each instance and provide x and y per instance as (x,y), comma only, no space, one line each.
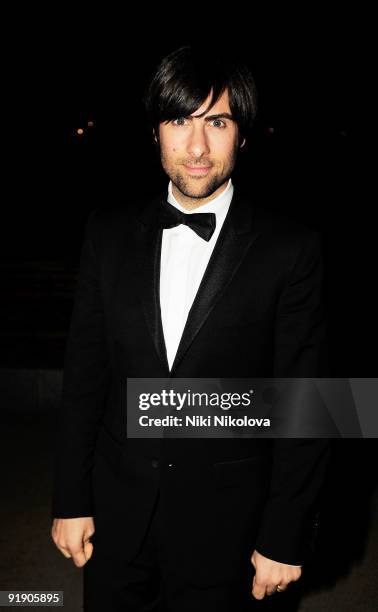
(178,121)
(221,124)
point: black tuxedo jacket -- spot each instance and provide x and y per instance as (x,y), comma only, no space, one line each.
(258,313)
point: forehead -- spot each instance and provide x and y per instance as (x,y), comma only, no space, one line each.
(222,105)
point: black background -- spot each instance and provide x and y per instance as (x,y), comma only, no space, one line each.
(312,74)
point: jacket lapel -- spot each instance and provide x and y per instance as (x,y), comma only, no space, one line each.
(234,240)
(237,235)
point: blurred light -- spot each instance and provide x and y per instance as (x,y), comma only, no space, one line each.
(80,131)
(270,130)
(90,124)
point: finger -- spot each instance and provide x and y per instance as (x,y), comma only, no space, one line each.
(258,589)
(271,590)
(64,551)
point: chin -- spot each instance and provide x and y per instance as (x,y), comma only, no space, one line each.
(197,193)
(195,187)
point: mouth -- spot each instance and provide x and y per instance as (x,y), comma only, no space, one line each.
(197,170)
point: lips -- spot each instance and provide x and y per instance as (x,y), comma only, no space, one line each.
(200,170)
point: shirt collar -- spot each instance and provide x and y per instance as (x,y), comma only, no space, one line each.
(219,205)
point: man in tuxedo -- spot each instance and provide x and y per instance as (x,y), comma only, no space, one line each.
(202,282)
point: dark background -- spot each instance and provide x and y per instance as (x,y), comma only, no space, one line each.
(307,158)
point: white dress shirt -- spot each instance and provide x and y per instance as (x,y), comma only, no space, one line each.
(184,258)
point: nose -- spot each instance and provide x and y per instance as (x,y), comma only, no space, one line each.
(197,142)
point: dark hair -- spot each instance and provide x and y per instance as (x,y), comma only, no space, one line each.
(184,79)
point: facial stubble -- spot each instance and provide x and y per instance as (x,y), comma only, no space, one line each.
(183,184)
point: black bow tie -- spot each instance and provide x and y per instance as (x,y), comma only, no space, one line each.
(201,223)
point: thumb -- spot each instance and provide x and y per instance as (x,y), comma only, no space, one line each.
(88,550)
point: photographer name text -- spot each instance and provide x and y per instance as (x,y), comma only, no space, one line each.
(203,421)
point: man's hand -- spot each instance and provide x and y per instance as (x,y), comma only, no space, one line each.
(269,574)
(72,536)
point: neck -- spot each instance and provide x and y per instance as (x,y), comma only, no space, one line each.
(193,203)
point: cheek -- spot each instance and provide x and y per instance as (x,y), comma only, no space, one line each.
(171,150)
(168,145)
(223,147)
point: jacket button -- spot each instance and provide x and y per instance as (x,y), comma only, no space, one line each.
(155,463)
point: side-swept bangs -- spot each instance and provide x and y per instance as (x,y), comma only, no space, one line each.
(184,80)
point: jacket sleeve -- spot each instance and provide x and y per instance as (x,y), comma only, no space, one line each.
(291,515)
(86,381)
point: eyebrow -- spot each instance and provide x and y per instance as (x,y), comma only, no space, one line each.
(218,116)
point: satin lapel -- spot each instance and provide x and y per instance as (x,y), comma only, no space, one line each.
(148,240)
(236,237)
